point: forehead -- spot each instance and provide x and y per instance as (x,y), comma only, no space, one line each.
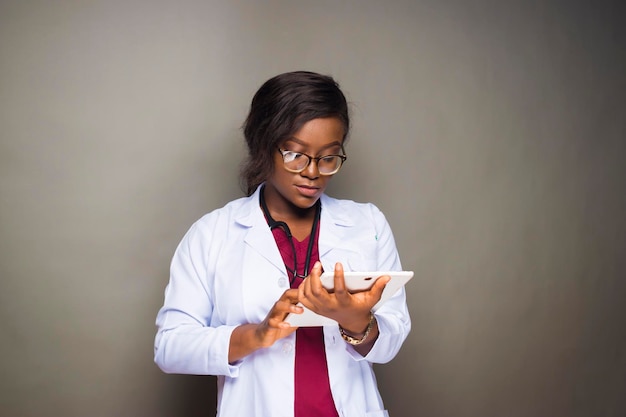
(319,133)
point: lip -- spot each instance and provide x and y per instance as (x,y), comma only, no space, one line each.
(307,191)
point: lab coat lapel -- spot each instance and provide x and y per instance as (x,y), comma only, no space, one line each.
(336,226)
(259,236)
(335,229)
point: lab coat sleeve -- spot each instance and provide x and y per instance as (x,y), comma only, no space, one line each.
(394,322)
(186,342)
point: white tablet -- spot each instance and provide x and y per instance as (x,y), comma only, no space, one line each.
(355,282)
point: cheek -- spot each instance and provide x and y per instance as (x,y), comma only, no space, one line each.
(276,169)
(324,182)
(280,179)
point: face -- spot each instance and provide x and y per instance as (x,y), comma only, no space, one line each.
(289,193)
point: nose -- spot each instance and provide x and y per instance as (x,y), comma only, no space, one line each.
(311,171)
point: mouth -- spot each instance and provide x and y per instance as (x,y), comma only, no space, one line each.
(307,190)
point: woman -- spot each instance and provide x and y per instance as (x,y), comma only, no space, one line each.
(240,270)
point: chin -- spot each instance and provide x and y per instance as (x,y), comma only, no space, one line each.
(305,203)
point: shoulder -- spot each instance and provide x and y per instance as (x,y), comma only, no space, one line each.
(351,210)
(234,208)
(235,211)
(351,213)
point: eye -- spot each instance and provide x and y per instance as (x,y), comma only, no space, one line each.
(289,156)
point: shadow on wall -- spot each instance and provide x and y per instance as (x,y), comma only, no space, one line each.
(191,395)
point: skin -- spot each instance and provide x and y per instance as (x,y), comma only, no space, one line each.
(291,197)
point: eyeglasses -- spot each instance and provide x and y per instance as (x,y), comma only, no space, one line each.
(297,162)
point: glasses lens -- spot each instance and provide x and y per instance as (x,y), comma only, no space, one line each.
(295,161)
(329,164)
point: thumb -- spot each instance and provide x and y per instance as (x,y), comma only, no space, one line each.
(379,286)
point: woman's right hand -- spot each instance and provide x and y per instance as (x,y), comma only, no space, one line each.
(247,338)
(273,327)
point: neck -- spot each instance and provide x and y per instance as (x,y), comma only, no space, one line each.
(282,210)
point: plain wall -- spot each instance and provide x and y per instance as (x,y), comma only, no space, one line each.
(491,133)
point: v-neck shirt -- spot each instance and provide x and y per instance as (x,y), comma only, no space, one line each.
(312,397)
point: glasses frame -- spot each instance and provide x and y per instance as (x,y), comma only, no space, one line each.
(311,158)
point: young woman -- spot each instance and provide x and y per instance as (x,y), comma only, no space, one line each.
(240,270)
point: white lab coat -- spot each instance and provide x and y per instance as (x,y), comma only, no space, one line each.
(227,270)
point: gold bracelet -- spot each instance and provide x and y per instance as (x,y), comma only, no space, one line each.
(353,340)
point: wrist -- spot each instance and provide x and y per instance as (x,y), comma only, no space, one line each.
(358,338)
(356,326)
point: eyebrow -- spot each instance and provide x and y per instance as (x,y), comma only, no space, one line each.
(300,142)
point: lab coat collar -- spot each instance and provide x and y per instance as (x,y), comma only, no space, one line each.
(259,236)
(335,225)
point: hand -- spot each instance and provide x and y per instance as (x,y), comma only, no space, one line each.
(247,338)
(350,310)
(273,327)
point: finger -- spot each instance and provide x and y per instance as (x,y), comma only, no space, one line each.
(277,323)
(314,284)
(379,286)
(302,290)
(296,309)
(282,308)
(289,328)
(303,295)
(306,302)
(339,281)
(290,295)
(285,323)
(276,318)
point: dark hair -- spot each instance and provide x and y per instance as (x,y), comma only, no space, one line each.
(279,109)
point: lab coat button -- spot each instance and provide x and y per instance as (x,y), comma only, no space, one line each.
(287,347)
(282,282)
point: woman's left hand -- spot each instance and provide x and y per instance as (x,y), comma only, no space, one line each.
(350,310)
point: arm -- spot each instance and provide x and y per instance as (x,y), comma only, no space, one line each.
(392,323)
(186,342)
(351,310)
(189,338)
(392,318)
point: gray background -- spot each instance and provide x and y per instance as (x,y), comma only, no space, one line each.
(491,133)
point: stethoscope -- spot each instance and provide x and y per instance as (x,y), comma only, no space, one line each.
(273,224)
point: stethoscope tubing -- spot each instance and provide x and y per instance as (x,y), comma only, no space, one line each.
(273,224)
